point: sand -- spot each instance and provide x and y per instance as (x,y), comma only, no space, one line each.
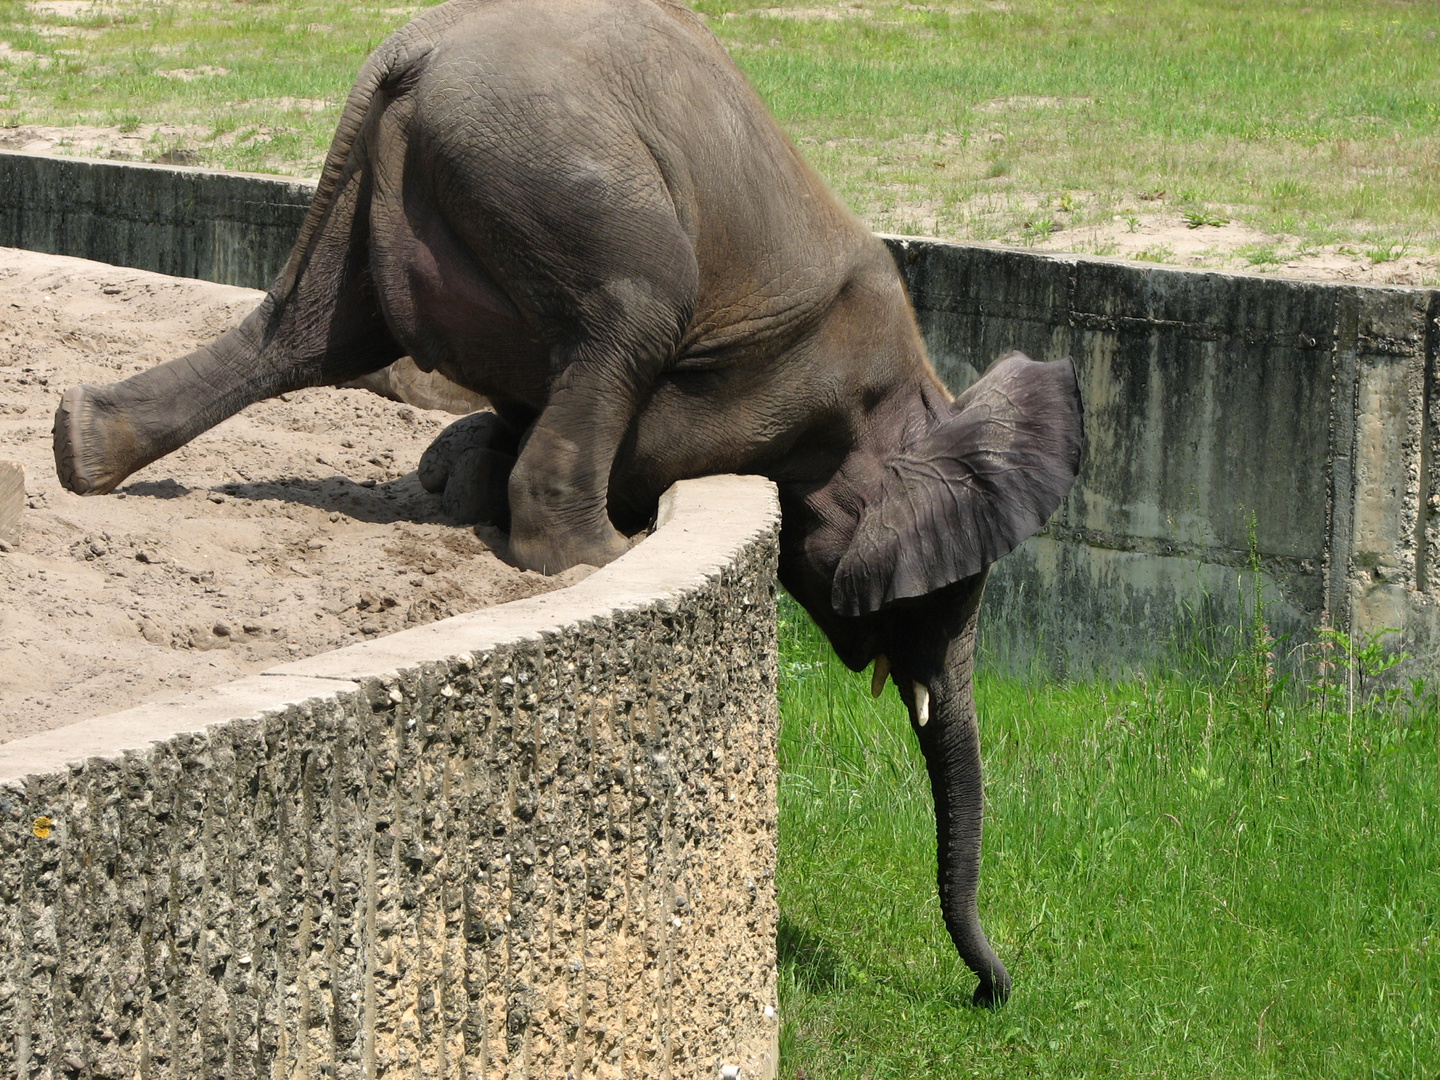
(293,528)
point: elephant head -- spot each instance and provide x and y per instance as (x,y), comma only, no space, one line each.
(891,562)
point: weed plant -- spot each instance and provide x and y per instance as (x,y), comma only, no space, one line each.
(1205,871)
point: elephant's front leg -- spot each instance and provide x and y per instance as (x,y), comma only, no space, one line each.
(559,488)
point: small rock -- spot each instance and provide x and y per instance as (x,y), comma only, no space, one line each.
(215,497)
(205,640)
(148,556)
(220,629)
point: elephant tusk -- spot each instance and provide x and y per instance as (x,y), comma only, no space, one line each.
(922,704)
(882,672)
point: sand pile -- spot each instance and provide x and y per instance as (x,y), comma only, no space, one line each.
(293,528)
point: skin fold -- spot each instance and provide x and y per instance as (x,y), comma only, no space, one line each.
(580,210)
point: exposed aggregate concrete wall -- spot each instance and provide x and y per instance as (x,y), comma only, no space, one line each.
(536,840)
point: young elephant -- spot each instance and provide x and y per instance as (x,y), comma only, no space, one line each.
(580,210)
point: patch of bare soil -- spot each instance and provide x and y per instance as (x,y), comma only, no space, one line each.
(834,12)
(1164,236)
(74,9)
(165,144)
(1160,233)
(296,527)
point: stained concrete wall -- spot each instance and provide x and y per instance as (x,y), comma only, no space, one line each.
(227,227)
(1210,397)
(536,840)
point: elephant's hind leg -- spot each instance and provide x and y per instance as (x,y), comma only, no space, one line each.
(320,324)
(595,258)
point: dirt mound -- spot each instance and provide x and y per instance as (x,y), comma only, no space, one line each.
(295,527)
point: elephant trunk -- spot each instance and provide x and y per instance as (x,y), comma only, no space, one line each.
(950,740)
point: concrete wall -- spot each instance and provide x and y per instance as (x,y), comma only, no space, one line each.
(227,227)
(536,840)
(1210,397)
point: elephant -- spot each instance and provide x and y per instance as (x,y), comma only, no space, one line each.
(581,211)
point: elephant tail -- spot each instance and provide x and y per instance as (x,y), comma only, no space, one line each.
(397,55)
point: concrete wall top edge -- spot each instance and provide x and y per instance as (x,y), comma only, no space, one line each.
(1065,260)
(179,171)
(705,523)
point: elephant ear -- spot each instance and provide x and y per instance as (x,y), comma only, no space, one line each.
(968,490)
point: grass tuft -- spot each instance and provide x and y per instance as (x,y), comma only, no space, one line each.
(1262,255)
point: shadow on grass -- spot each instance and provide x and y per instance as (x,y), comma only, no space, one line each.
(814,965)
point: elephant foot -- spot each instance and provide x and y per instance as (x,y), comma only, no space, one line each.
(469,465)
(477,489)
(94,449)
(478,431)
(549,551)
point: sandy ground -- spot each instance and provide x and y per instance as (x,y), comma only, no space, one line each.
(1161,235)
(293,528)
(163,144)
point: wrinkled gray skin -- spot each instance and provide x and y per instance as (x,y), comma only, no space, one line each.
(581,211)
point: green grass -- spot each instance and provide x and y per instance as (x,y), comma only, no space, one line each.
(1317,120)
(251,84)
(1181,887)
(1329,109)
